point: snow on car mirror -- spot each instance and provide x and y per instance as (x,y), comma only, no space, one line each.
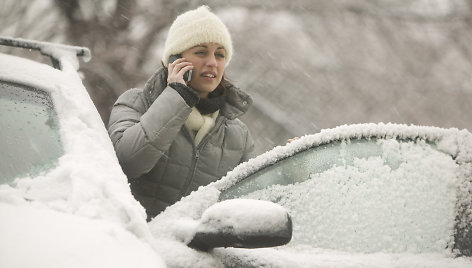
(243,223)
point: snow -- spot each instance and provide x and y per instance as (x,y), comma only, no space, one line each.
(38,237)
(177,254)
(243,216)
(369,206)
(309,257)
(181,221)
(433,8)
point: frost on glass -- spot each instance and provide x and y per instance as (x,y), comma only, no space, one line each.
(363,195)
(30,140)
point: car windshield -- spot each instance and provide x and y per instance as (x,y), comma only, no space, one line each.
(376,195)
(29,129)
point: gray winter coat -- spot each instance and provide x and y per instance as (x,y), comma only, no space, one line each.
(156,150)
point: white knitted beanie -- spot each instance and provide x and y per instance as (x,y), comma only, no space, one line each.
(193,28)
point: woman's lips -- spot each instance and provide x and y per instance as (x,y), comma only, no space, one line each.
(209,74)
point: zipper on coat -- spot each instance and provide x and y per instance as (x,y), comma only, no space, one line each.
(196,150)
(193,165)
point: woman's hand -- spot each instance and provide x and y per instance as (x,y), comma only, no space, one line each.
(292,139)
(177,70)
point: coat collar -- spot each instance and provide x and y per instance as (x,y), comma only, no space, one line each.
(237,101)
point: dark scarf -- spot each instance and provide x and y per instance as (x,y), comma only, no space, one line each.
(213,103)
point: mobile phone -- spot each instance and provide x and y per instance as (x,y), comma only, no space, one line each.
(187,74)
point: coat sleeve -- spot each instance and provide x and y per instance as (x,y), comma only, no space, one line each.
(141,137)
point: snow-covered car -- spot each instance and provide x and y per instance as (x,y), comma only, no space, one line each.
(64,200)
(367,195)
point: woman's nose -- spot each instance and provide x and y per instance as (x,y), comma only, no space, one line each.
(211,61)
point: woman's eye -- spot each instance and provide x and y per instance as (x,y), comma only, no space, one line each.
(200,52)
(219,55)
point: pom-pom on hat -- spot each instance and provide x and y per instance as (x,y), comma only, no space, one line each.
(193,28)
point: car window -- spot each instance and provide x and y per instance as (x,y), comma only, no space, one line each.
(363,195)
(29,129)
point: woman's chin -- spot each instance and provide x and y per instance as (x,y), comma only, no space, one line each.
(203,90)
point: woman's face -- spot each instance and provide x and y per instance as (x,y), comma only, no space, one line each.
(209,60)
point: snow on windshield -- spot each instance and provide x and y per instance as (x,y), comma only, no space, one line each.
(456,142)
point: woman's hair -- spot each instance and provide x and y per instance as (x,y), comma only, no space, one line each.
(225,82)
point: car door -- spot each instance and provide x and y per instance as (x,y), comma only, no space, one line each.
(402,192)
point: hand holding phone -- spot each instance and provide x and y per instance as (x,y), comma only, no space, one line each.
(188,74)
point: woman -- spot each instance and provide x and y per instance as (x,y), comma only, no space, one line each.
(173,136)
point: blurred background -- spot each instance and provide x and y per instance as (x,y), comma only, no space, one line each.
(308,64)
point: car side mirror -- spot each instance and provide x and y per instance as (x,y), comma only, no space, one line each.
(243,223)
